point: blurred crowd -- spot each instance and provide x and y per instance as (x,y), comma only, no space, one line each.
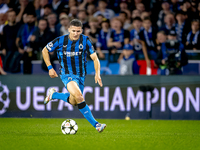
(122,31)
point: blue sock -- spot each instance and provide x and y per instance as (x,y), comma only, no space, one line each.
(62,96)
(85,110)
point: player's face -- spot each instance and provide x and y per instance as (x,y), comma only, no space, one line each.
(75,32)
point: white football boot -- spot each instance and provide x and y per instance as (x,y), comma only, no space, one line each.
(100,127)
(49,96)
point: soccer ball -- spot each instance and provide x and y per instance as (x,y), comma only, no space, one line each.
(69,126)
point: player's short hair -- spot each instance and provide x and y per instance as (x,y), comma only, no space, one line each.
(76,23)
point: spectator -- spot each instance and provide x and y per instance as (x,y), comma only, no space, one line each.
(134,35)
(137,27)
(172,56)
(47,11)
(100,18)
(2,22)
(175,6)
(181,27)
(72,3)
(82,16)
(103,37)
(40,10)
(64,21)
(145,14)
(124,8)
(107,13)
(91,9)
(52,19)
(8,43)
(23,42)
(140,7)
(73,11)
(128,65)
(161,38)
(85,4)
(193,37)
(148,36)
(58,6)
(41,36)
(119,38)
(36,4)
(135,13)
(188,9)
(93,32)
(165,10)
(140,51)
(124,18)
(134,4)
(24,7)
(169,23)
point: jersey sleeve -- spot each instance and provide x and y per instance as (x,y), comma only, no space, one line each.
(51,46)
(90,47)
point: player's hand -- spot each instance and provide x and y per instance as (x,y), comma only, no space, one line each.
(98,79)
(52,73)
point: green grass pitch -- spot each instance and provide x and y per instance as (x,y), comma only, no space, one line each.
(45,134)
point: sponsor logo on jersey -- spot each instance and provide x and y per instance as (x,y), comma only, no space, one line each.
(71,54)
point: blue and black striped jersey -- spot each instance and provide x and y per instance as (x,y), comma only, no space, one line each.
(72,54)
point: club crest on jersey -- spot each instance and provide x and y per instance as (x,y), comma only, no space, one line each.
(81,46)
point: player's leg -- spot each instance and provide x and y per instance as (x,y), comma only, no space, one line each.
(75,91)
(52,94)
(62,96)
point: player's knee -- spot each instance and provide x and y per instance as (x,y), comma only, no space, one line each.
(71,100)
(79,98)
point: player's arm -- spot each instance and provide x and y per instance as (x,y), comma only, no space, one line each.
(97,68)
(45,54)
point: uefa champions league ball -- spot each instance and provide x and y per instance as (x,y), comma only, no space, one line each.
(69,126)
